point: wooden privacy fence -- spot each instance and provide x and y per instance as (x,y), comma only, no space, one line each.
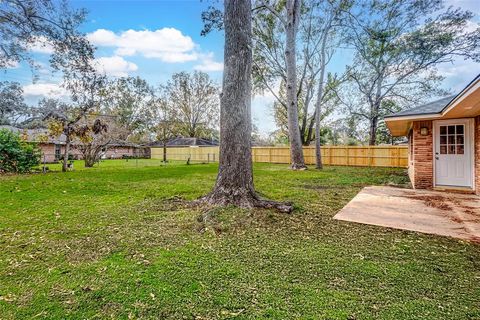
(366,156)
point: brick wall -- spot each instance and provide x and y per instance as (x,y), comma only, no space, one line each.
(422,156)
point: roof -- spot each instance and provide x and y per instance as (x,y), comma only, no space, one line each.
(41,135)
(465,104)
(429,108)
(186,142)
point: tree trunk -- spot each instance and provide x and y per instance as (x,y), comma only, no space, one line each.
(373,131)
(374,111)
(296,151)
(66,154)
(318,105)
(234,183)
(164,151)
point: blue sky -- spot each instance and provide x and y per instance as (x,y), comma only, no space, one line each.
(153,39)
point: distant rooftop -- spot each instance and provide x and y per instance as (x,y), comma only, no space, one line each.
(41,135)
(186,142)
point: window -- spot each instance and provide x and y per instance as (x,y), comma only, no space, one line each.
(452,139)
(57,151)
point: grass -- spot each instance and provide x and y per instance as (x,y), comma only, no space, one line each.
(122,241)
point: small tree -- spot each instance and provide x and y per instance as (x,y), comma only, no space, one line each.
(16,155)
(96,135)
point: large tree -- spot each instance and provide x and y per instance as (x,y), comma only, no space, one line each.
(130,100)
(276,29)
(317,37)
(398,45)
(194,99)
(234,184)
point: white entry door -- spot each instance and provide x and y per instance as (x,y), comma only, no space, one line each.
(453,153)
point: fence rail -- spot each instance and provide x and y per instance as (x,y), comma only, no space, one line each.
(366,156)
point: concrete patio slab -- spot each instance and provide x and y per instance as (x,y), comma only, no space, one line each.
(441,213)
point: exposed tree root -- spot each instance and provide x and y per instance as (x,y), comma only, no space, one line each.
(244,199)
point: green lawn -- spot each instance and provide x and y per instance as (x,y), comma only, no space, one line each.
(122,241)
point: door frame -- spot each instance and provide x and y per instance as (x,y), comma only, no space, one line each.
(471,124)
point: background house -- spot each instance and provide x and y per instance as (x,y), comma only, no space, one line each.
(53,148)
(444,140)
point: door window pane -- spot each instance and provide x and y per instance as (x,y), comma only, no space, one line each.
(452,139)
(460,139)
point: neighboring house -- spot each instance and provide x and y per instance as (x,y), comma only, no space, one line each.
(444,140)
(120,149)
(53,148)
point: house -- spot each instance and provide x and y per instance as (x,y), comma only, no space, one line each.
(444,140)
(52,149)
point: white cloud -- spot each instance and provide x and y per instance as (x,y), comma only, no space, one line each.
(41,45)
(166,44)
(471,5)
(11,64)
(459,73)
(49,90)
(208,64)
(115,66)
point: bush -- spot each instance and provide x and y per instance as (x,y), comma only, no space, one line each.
(17,155)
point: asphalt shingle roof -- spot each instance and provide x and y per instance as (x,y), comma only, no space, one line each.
(429,108)
(186,142)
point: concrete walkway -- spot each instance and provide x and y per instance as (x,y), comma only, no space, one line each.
(440,213)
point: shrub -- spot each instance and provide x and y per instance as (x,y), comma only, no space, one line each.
(17,155)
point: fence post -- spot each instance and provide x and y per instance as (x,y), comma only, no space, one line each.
(348,155)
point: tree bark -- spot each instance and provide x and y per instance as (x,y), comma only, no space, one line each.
(66,153)
(373,131)
(318,105)
(234,184)
(296,151)
(164,151)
